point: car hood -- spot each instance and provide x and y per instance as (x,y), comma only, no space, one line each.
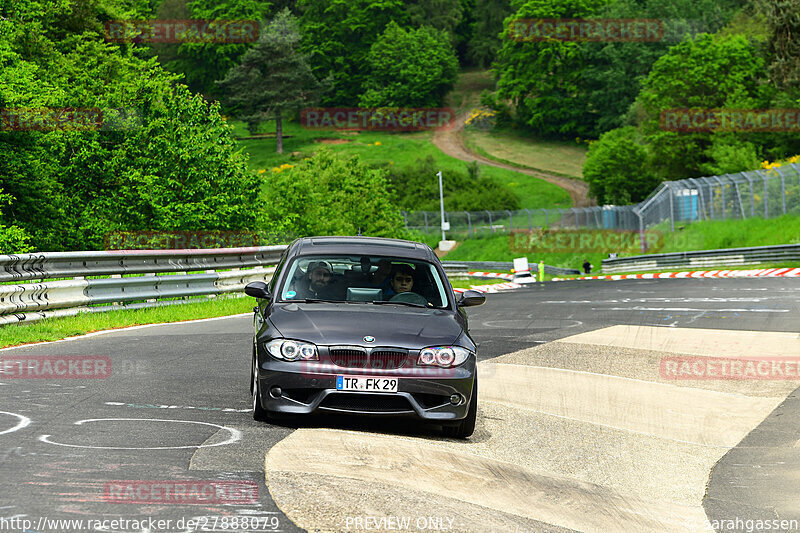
(391,325)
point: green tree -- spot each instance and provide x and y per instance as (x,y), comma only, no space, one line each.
(488,27)
(543,78)
(273,78)
(13,240)
(441,15)
(616,168)
(332,194)
(337,36)
(707,72)
(170,165)
(783,22)
(582,89)
(413,68)
(202,64)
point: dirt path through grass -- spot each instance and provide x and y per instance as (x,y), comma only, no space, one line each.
(450,142)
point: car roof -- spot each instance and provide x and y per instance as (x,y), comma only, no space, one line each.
(363,246)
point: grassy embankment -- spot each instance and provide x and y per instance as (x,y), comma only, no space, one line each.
(708,235)
(401,149)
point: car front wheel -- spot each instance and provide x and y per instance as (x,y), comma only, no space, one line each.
(259,413)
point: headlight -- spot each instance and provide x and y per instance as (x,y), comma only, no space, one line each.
(444,356)
(289,350)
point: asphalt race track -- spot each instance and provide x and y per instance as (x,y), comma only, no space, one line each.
(581,426)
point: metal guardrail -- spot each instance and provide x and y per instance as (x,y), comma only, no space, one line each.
(131,277)
(224,270)
(706,258)
(48,265)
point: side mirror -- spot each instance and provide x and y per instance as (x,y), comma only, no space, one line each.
(257,289)
(471,298)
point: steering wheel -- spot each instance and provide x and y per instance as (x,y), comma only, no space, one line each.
(409,297)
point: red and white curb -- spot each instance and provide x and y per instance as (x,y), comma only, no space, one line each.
(497,287)
(491,275)
(758,273)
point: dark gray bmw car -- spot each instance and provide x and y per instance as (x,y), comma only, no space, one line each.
(364,325)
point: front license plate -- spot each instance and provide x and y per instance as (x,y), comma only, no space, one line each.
(365,384)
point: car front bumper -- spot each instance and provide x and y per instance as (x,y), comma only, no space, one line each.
(310,387)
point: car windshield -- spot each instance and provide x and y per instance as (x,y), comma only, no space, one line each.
(364,279)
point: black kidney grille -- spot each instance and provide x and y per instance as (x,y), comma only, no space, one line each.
(349,358)
(387,359)
(378,360)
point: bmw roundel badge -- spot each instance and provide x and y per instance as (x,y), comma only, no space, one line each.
(369,338)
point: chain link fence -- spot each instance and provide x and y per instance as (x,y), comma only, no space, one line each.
(757,193)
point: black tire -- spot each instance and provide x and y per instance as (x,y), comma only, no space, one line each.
(466,427)
(259,413)
(252,371)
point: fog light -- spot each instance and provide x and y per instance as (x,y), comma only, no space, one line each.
(275,392)
(455,399)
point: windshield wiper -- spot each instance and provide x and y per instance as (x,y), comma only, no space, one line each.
(382,302)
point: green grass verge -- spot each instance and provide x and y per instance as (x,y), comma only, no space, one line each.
(708,235)
(51,329)
(506,146)
(402,149)
(468,283)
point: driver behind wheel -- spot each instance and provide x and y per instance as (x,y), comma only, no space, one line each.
(401,280)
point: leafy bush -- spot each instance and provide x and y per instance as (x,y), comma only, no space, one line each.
(331,194)
(616,168)
(417,189)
